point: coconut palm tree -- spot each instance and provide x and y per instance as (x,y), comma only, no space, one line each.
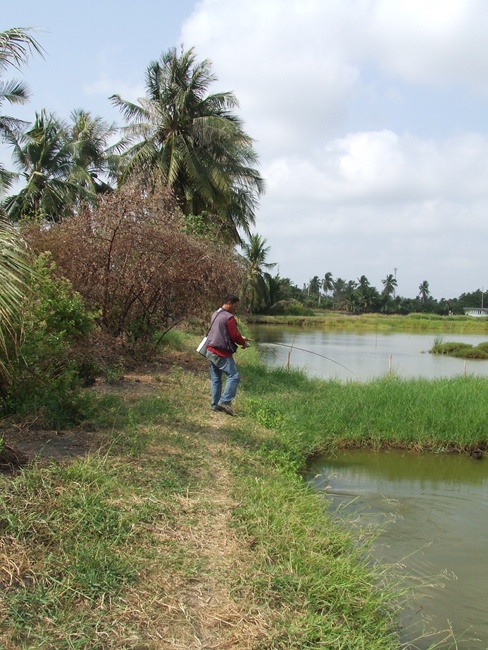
(89,139)
(195,140)
(14,273)
(340,291)
(328,283)
(389,285)
(43,155)
(256,284)
(61,164)
(16,45)
(424,291)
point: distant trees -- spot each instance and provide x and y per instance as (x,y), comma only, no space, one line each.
(314,287)
(424,291)
(389,285)
(328,283)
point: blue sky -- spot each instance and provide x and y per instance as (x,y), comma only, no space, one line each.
(370,118)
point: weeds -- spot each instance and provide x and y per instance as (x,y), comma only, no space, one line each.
(191,523)
(460,350)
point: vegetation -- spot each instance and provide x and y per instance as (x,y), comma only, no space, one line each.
(181,521)
(15,47)
(256,293)
(184,519)
(460,350)
(135,266)
(376,322)
(312,416)
(195,141)
(60,165)
(15,272)
(53,357)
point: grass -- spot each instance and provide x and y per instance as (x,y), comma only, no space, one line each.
(460,350)
(189,529)
(313,416)
(410,322)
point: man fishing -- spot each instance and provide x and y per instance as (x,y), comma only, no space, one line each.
(222,341)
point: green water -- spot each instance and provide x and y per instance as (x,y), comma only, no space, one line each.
(432,511)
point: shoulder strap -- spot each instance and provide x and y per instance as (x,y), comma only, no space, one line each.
(213,319)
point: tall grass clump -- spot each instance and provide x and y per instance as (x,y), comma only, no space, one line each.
(313,416)
(460,350)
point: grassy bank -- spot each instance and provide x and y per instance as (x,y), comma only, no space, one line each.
(177,527)
(412,322)
(313,416)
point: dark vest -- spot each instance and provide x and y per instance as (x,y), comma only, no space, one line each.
(218,336)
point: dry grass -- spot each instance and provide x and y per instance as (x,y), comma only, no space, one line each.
(185,596)
(193,500)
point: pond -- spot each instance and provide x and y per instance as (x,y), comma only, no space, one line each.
(432,511)
(361,356)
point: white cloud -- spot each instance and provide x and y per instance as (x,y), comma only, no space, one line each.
(342,198)
(368,115)
(435,42)
(105,86)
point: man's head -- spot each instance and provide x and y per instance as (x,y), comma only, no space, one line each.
(231,303)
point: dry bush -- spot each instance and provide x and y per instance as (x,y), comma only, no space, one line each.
(131,260)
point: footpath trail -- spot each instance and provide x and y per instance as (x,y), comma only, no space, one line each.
(211,609)
(200,600)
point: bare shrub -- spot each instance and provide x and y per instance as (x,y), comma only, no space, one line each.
(132,261)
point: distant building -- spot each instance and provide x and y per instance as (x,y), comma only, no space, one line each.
(477,312)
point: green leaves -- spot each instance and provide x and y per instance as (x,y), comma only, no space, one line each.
(15,271)
(195,141)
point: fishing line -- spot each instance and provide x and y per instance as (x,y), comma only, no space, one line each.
(293,347)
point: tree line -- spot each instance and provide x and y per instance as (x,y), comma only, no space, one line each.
(273,294)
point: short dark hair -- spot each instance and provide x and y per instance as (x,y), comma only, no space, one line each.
(230,299)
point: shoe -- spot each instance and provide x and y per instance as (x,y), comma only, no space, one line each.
(215,408)
(227,408)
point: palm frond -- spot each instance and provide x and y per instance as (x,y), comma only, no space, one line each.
(16,45)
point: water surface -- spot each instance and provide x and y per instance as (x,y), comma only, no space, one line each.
(361,356)
(433,514)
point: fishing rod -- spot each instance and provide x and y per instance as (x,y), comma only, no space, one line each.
(293,347)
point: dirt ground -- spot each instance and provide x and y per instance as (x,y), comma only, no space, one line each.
(27,439)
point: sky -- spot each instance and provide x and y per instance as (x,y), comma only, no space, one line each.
(370,118)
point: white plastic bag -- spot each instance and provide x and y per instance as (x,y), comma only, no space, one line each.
(202,347)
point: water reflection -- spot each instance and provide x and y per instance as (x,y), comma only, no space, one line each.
(433,513)
(362,355)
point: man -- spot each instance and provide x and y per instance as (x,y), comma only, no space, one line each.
(222,341)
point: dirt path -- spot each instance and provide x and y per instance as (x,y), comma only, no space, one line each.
(213,614)
(181,608)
